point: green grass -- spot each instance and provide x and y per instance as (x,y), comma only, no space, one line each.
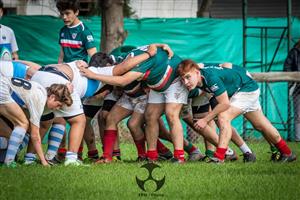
(260,180)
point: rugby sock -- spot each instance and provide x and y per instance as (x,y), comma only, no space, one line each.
(3,143)
(61,153)
(79,153)
(30,157)
(245,149)
(109,139)
(55,137)
(161,148)
(71,156)
(116,152)
(209,153)
(190,148)
(220,153)
(140,146)
(93,154)
(25,142)
(283,147)
(152,155)
(14,142)
(179,154)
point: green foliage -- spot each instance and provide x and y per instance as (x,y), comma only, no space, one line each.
(260,180)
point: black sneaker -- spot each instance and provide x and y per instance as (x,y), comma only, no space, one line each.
(177,161)
(249,157)
(165,156)
(275,155)
(141,159)
(215,160)
(287,158)
(54,161)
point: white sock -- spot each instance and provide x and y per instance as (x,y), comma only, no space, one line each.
(71,156)
(31,157)
(244,148)
(14,142)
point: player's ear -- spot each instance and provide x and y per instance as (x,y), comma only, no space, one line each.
(77,13)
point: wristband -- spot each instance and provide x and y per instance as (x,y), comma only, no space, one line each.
(148,54)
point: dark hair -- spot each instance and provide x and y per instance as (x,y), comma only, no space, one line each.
(1,4)
(63,5)
(100,59)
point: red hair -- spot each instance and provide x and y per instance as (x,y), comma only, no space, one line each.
(185,66)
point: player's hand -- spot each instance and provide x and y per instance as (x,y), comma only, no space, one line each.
(152,49)
(45,163)
(81,63)
(200,123)
(86,72)
(70,87)
(168,49)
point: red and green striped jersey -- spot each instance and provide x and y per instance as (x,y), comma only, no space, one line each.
(75,41)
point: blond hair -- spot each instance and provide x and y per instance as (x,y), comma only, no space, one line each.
(61,93)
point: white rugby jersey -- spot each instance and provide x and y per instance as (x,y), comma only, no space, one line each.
(33,95)
(8,43)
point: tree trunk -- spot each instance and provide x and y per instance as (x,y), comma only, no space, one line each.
(21,7)
(112,32)
(204,8)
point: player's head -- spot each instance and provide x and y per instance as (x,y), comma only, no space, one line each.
(100,59)
(190,74)
(69,11)
(58,96)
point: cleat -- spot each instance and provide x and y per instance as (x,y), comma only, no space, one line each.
(10,165)
(177,161)
(232,156)
(141,159)
(54,161)
(71,162)
(215,160)
(116,158)
(249,157)
(287,158)
(165,156)
(103,160)
(195,156)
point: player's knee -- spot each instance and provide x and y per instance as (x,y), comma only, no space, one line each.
(151,117)
(24,123)
(259,127)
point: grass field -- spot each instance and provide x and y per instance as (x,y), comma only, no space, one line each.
(260,180)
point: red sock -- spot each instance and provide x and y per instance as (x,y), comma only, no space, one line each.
(161,148)
(80,149)
(62,151)
(109,141)
(152,155)
(179,154)
(220,153)
(140,146)
(93,154)
(283,147)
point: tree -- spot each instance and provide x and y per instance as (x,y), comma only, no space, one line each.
(204,8)
(112,33)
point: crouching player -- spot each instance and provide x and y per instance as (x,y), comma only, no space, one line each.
(35,98)
(237,93)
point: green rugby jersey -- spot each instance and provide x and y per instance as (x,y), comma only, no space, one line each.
(159,71)
(75,41)
(217,80)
